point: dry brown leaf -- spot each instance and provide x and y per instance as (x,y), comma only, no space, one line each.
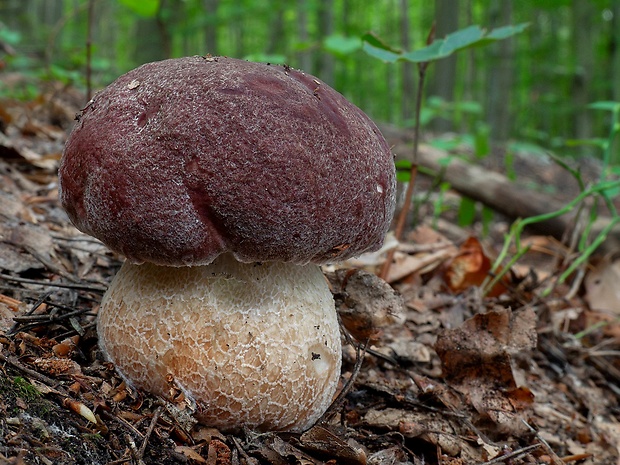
(321,440)
(602,290)
(190,453)
(476,359)
(405,265)
(470,268)
(287,451)
(366,304)
(219,453)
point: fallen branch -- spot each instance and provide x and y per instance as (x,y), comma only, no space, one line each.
(501,194)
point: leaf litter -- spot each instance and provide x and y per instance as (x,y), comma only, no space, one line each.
(446,375)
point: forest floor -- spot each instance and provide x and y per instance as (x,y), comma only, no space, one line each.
(528,373)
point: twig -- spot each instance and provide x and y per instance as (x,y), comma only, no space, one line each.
(513,455)
(33,308)
(49,318)
(31,373)
(50,266)
(121,421)
(243,453)
(149,431)
(554,457)
(23,323)
(120,461)
(404,212)
(77,287)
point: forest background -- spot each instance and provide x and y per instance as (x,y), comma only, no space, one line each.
(527,92)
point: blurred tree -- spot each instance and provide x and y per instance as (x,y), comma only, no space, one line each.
(443,81)
(535,85)
(304,55)
(325,20)
(500,66)
(584,63)
(408,69)
(210,28)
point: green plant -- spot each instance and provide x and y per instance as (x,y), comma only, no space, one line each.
(472,36)
(604,190)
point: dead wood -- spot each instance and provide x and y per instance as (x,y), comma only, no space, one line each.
(500,193)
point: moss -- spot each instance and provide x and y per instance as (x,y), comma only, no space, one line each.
(25,390)
(17,392)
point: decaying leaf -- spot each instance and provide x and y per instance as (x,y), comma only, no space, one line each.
(219,453)
(477,361)
(366,304)
(601,283)
(434,429)
(321,440)
(470,268)
(191,454)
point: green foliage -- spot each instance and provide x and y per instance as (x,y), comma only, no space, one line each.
(341,46)
(467,212)
(605,190)
(9,36)
(145,8)
(472,36)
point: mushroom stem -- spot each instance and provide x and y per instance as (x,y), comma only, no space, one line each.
(253,345)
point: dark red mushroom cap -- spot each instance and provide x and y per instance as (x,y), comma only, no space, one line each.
(181,160)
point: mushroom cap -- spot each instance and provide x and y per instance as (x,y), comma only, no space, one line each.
(251,345)
(179,161)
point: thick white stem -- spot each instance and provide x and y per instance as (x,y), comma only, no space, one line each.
(253,345)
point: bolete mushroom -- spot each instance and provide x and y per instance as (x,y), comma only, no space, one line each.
(225,184)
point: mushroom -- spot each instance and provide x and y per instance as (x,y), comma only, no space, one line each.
(226,184)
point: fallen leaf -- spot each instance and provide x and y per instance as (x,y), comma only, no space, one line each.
(470,268)
(366,304)
(321,440)
(477,361)
(190,453)
(601,283)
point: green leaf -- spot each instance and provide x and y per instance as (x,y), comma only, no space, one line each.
(488,215)
(377,48)
(372,39)
(444,162)
(341,45)
(380,53)
(471,36)
(605,105)
(461,39)
(430,53)
(467,212)
(593,142)
(146,8)
(482,143)
(505,32)
(403,170)
(9,36)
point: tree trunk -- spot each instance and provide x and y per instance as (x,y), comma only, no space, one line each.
(276,30)
(500,74)
(444,77)
(614,50)
(326,28)
(304,56)
(149,44)
(210,7)
(583,46)
(408,69)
